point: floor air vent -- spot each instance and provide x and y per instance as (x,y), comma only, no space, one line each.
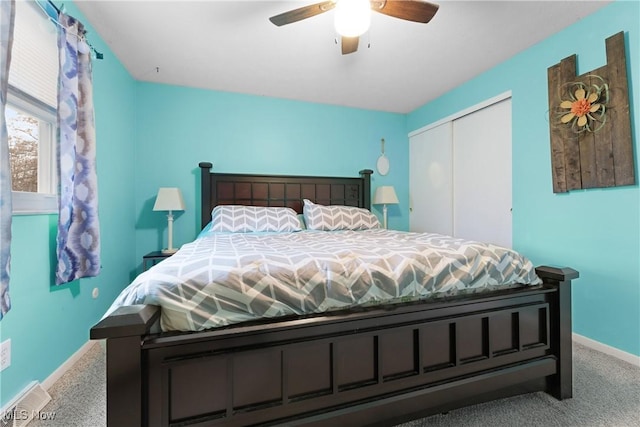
(27,407)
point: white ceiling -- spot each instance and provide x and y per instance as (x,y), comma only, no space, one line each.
(231,46)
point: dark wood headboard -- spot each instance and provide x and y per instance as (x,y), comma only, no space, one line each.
(280,190)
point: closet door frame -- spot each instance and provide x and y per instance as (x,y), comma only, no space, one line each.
(466,111)
(450,119)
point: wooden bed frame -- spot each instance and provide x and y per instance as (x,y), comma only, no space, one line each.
(378,366)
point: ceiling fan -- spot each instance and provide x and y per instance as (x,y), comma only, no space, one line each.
(352,17)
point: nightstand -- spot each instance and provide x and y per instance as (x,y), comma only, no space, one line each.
(152,258)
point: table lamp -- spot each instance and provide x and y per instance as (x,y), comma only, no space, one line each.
(385,195)
(169,199)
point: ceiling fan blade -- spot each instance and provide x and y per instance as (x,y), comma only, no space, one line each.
(409,10)
(349,44)
(301,13)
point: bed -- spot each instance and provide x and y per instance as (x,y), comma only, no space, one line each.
(383,363)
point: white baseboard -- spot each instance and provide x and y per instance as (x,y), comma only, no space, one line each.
(67,365)
(611,351)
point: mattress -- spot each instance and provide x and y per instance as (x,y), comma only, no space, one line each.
(221,279)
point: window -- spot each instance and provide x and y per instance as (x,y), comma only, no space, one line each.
(33,156)
(30,113)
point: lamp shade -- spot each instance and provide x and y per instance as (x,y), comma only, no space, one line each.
(385,195)
(169,199)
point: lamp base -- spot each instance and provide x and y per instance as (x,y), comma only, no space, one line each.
(169,251)
(384,215)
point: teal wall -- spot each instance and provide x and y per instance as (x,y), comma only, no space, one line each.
(179,127)
(154,135)
(49,324)
(595,231)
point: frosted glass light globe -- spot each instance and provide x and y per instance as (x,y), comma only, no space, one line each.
(352,17)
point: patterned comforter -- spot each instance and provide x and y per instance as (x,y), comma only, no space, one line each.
(225,278)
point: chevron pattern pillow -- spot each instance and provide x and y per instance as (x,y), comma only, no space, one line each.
(247,219)
(332,218)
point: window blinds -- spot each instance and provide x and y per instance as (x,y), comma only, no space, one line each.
(34,57)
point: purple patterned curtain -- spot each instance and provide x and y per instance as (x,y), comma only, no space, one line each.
(7,19)
(78,240)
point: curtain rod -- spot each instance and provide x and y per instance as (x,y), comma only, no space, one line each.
(95,51)
(53,6)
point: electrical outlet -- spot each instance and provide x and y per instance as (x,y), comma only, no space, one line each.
(5,354)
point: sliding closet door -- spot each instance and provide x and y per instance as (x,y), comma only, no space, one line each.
(482,174)
(430,181)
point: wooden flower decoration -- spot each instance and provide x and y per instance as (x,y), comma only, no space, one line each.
(586,106)
(589,122)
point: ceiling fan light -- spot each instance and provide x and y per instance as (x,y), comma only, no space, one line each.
(352,17)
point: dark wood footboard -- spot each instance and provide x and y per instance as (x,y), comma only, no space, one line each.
(380,366)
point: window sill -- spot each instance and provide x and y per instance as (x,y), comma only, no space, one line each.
(34,203)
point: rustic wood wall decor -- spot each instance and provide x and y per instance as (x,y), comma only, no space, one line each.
(591,145)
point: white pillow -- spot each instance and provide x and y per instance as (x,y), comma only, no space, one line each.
(332,218)
(246,219)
